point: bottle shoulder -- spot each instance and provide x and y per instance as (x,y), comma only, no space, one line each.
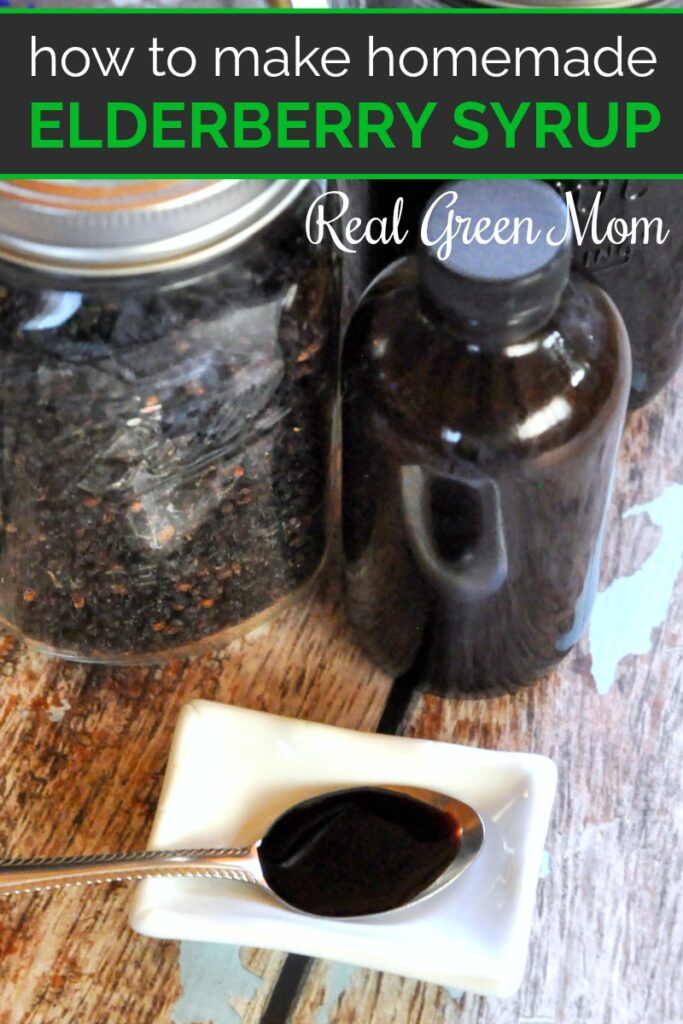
(408,366)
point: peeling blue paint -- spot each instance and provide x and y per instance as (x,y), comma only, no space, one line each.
(338,981)
(212,975)
(628,611)
(455,993)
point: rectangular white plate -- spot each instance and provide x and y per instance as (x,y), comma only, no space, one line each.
(232,771)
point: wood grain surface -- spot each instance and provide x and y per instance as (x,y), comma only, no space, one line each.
(82,753)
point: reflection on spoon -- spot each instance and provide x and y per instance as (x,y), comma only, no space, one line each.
(345,853)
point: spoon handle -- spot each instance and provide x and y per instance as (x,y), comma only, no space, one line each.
(17,876)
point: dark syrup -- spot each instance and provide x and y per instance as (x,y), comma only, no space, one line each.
(357,851)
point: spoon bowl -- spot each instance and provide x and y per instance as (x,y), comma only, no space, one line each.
(368,850)
(346,853)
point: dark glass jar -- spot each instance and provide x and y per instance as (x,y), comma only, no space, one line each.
(483,400)
(643,278)
(167,369)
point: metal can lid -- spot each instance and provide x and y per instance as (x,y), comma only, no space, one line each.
(107,227)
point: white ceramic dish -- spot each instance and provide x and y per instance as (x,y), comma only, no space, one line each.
(231,771)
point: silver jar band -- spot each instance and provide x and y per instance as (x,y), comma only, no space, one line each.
(114,227)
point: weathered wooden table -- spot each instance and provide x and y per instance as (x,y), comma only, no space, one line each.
(83,750)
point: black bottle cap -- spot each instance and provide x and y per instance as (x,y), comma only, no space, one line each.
(497,290)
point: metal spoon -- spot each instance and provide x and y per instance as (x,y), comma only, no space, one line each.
(254,863)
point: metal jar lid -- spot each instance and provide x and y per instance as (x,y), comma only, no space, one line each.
(111,227)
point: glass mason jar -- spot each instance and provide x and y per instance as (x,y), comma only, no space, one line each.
(167,367)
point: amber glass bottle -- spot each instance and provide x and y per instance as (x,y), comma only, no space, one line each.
(483,401)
